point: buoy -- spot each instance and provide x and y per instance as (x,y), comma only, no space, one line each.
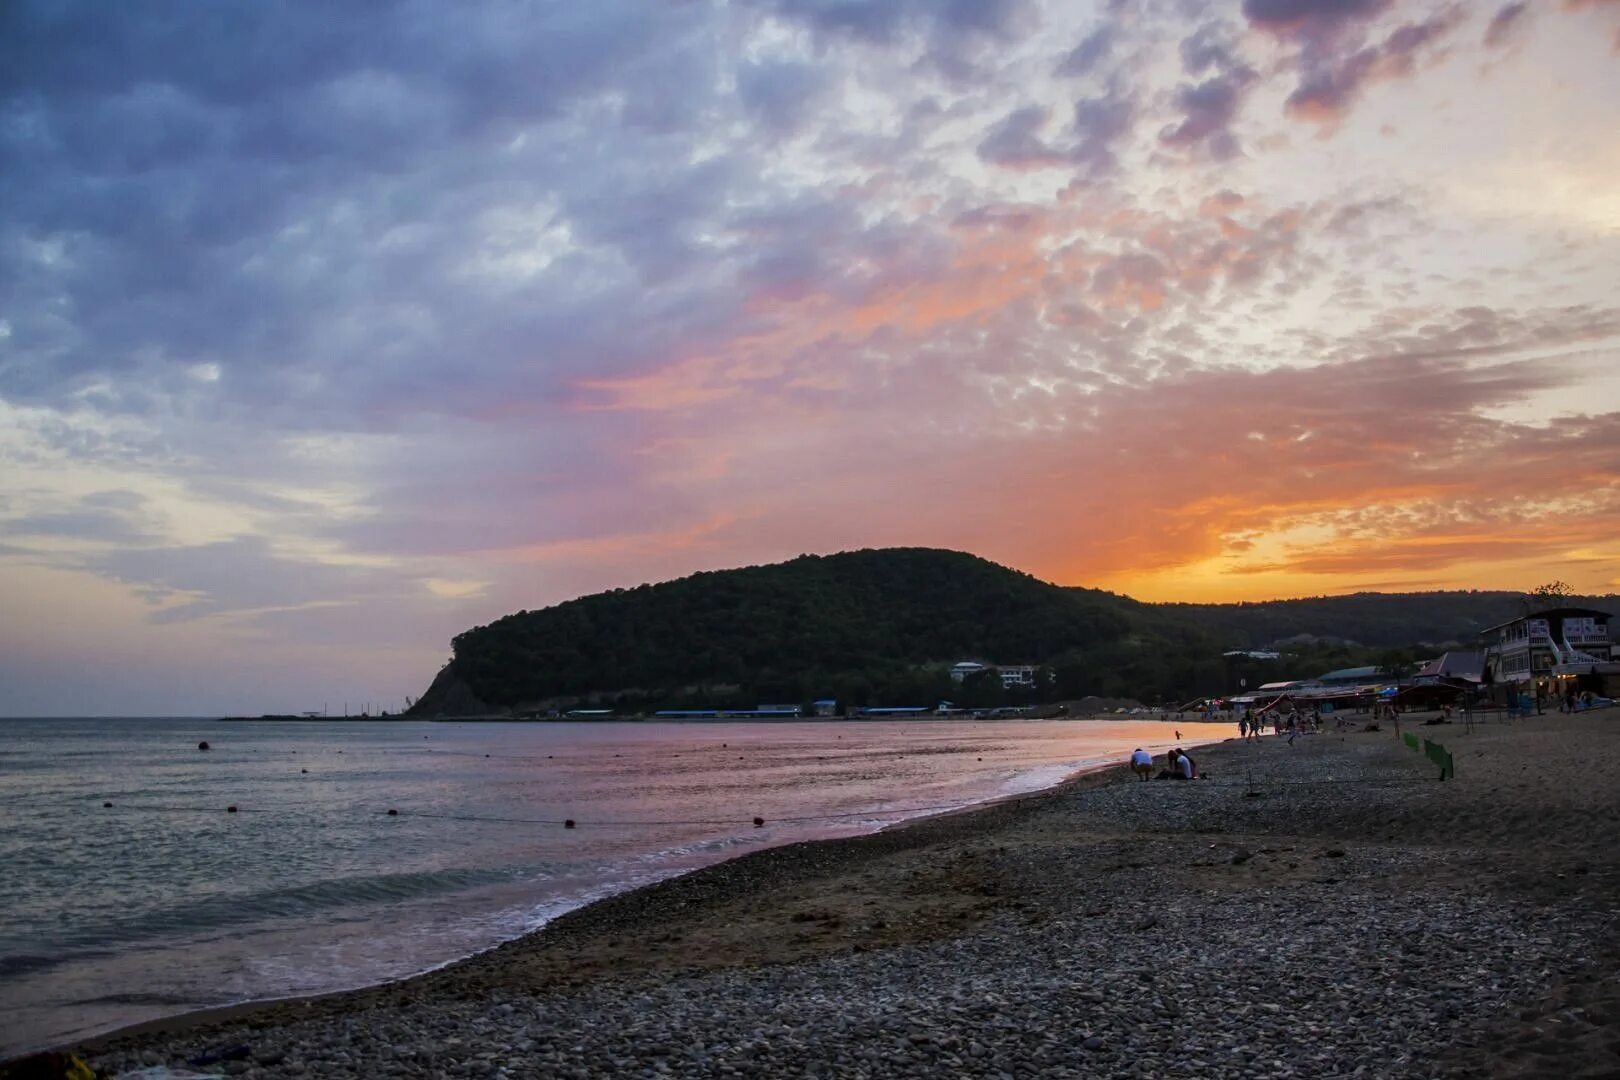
(231,809)
(105,805)
(758,822)
(392,812)
(569,824)
(203,745)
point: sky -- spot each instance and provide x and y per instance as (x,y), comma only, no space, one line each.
(330,331)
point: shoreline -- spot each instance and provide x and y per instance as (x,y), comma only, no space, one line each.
(214,1014)
(1229,927)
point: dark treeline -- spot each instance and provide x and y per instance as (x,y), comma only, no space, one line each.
(881,627)
(1387,620)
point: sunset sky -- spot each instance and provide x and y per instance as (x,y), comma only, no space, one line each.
(329,331)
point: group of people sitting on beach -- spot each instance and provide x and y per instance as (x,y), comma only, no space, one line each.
(1178,765)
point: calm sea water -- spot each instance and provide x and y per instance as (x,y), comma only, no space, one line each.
(164,902)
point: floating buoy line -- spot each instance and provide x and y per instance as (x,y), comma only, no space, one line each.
(567,823)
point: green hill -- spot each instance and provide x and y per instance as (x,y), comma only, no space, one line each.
(882,627)
(864,626)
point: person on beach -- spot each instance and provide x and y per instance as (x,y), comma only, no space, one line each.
(1185,769)
(1142,763)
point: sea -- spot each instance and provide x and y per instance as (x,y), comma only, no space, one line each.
(360,852)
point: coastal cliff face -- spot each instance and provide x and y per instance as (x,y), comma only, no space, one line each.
(451,696)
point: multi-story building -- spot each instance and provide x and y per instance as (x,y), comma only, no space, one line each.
(1552,650)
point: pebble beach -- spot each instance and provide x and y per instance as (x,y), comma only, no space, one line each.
(1327,908)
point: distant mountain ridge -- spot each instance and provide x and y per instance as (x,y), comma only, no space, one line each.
(1376,619)
(881,626)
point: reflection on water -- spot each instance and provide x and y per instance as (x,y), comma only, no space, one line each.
(165,902)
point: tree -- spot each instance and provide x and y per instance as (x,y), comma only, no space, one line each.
(1552,594)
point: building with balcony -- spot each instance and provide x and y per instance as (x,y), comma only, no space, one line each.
(1552,650)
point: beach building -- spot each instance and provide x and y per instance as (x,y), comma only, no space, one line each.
(825,707)
(963,668)
(1556,648)
(1351,676)
(1467,665)
(1013,675)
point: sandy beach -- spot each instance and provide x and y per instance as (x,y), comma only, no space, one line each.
(1322,909)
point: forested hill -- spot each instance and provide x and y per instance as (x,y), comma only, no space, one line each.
(876,625)
(883,626)
(1374,619)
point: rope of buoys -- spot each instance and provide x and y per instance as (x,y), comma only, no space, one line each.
(567,823)
(758,821)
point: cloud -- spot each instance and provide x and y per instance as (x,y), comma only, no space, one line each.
(1508,24)
(1101,123)
(1336,60)
(1091,51)
(1015,141)
(417,316)
(1311,18)
(1208,111)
